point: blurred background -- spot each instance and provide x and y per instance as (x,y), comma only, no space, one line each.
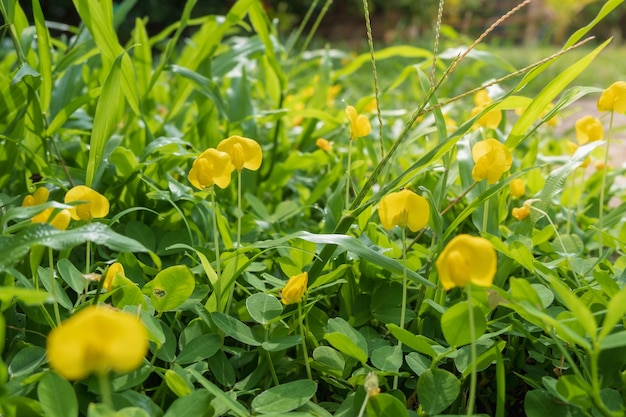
(547,22)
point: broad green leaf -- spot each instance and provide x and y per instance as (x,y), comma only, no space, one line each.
(521,290)
(178,385)
(57,396)
(238,409)
(24,295)
(386,405)
(614,340)
(344,344)
(285,397)
(387,358)
(418,363)
(170,288)
(329,357)
(437,389)
(302,253)
(276,344)
(26,361)
(235,329)
(574,390)
(263,308)
(196,404)
(72,276)
(614,313)
(547,95)
(418,343)
(66,112)
(199,348)
(576,306)
(403,51)
(455,327)
(222,369)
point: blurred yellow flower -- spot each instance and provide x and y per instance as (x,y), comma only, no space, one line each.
(97,340)
(294,289)
(467,259)
(60,220)
(115,268)
(211,167)
(572,147)
(491,159)
(613,98)
(370,107)
(588,129)
(481,98)
(332,94)
(517,188)
(403,208)
(521,213)
(243,152)
(94,205)
(491,119)
(324,144)
(359,124)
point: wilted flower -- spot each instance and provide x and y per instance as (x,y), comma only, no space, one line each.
(403,208)
(114,268)
(94,205)
(613,98)
(324,144)
(359,124)
(243,152)
(467,259)
(520,213)
(491,159)
(60,220)
(211,167)
(588,129)
(371,384)
(97,340)
(294,289)
(517,188)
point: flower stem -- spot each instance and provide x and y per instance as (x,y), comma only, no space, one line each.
(604,170)
(362,410)
(304,349)
(403,305)
(473,376)
(218,269)
(348,175)
(105,389)
(485,213)
(53,289)
(239,215)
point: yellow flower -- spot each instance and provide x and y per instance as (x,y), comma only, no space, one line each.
(491,159)
(588,129)
(115,268)
(294,289)
(613,98)
(359,124)
(404,208)
(211,167)
(97,339)
(572,147)
(60,220)
(94,205)
(243,152)
(481,98)
(324,144)
(331,94)
(491,119)
(467,259)
(522,212)
(517,188)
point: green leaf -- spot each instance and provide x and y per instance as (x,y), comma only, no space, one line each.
(418,363)
(613,340)
(196,404)
(276,344)
(170,288)
(454,324)
(26,361)
(177,384)
(344,344)
(235,329)
(57,396)
(234,406)
(285,397)
(574,390)
(437,389)
(614,313)
(387,358)
(199,348)
(71,275)
(329,357)
(576,306)
(386,405)
(23,295)
(222,369)
(263,308)
(418,343)
(45,59)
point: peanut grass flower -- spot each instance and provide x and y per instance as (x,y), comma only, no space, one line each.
(403,208)
(613,98)
(491,159)
(588,129)
(481,97)
(243,152)
(359,124)
(467,259)
(115,268)
(94,205)
(324,144)
(517,188)
(520,213)
(491,119)
(59,220)
(97,340)
(294,289)
(211,167)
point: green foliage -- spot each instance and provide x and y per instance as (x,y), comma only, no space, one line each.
(375,332)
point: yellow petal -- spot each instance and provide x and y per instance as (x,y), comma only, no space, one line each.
(294,289)
(115,268)
(491,119)
(491,159)
(521,213)
(95,204)
(481,98)
(359,124)
(613,98)
(404,208)
(588,129)
(467,259)
(324,144)
(244,152)
(517,188)
(211,167)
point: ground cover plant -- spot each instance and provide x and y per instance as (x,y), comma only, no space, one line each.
(217,220)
